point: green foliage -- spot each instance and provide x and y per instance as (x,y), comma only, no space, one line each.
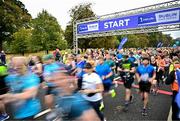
(81,11)
(78,12)
(104,42)
(21,39)
(13,16)
(146,40)
(69,35)
(19,34)
(47,33)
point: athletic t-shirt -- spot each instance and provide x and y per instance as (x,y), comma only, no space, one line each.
(19,83)
(89,82)
(72,106)
(145,72)
(49,69)
(103,70)
(80,67)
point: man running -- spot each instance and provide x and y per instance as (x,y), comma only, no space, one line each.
(145,75)
(127,71)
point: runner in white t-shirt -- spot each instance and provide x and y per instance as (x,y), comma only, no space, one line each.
(92,89)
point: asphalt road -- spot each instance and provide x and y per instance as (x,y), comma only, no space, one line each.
(159,107)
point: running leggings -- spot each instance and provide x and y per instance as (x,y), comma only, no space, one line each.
(96,106)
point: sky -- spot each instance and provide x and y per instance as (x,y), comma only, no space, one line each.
(60,8)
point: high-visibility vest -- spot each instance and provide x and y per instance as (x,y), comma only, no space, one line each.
(3,70)
(171,68)
(174,85)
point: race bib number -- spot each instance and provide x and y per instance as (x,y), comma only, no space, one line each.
(145,77)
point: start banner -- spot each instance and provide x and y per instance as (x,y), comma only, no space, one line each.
(168,16)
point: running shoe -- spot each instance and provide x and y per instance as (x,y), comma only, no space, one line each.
(101,106)
(144,112)
(4,117)
(113,93)
(131,99)
(125,109)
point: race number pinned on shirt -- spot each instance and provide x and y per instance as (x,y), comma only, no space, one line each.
(145,77)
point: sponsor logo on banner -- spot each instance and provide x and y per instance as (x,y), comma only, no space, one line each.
(149,18)
(93,27)
(167,16)
(83,28)
(88,27)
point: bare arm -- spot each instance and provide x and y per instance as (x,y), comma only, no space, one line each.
(28,93)
(153,77)
(109,75)
(133,69)
(138,77)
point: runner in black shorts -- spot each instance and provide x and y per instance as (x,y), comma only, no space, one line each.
(144,86)
(127,71)
(145,75)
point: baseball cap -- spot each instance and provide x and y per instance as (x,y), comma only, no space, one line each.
(87,66)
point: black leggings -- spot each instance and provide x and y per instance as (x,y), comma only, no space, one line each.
(96,106)
(79,83)
(159,76)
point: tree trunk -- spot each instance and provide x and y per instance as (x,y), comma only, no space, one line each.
(47,51)
(23,53)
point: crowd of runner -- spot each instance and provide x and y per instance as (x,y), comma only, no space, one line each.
(75,84)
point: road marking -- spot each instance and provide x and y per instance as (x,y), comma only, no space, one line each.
(159,91)
(170,115)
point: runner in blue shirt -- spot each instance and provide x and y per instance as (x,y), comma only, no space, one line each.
(49,68)
(132,58)
(145,74)
(78,72)
(23,90)
(105,72)
(120,55)
(70,105)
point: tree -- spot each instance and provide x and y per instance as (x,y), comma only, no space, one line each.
(21,39)
(47,33)
(104,42)
(167,40)
(69,35)
(76,13)
(13,16)
(132,41)
(153,39)
(83,11)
